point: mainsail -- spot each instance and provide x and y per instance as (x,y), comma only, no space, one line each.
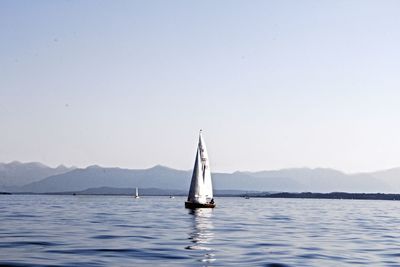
(201,191)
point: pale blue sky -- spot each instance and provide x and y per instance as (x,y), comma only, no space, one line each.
(274,84)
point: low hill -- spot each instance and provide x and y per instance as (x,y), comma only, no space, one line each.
(148,192)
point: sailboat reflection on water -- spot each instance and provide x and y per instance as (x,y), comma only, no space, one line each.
(202,234)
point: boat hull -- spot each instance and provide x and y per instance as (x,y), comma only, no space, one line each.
(192,205)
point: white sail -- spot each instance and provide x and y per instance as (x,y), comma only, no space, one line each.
(201,190)
(137,193)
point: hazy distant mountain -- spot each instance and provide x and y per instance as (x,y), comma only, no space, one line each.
(391,177)
(16,173)
(248,181)
(321,180)
(95,176)
(292,180)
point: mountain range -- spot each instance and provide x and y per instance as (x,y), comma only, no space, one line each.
(38,178)
(17,174)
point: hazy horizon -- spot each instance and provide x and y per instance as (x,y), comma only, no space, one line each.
(273,84)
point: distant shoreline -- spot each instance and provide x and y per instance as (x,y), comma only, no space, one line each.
(333,195)
(304,195)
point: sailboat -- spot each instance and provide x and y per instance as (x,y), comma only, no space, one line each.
(137,193)
(201,191)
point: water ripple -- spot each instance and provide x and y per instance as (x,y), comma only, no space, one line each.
(120,231)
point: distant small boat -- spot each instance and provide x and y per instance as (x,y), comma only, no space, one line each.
(137,193)
(201,190)
(171,197)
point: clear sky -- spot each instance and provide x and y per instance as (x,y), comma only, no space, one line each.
(273,84)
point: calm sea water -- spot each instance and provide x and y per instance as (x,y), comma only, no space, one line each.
(38,230)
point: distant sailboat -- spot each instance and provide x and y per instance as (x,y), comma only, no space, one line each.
(201,191)
(137,193)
